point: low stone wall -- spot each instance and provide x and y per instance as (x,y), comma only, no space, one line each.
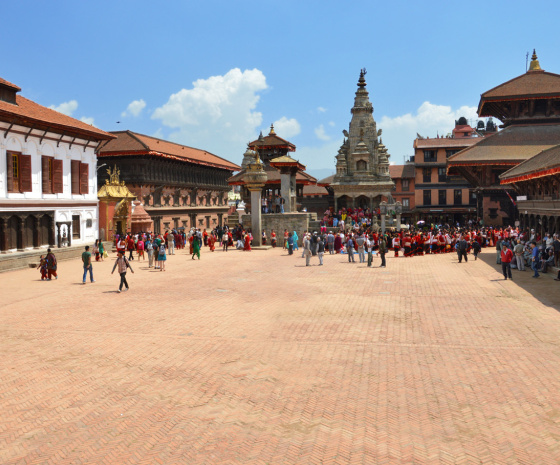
(19,260)
(298,222)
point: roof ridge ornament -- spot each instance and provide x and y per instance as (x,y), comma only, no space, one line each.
(534,66)
(272,132)
(362,80)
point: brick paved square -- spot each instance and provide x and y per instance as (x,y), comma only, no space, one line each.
(253,358)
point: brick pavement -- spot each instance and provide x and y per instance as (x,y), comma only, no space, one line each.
(252,358)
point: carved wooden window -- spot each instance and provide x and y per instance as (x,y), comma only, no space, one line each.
(84,178)
(18,172)
(51,175)
(75,176)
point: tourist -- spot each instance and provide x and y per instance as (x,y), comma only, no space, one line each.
(369,247)
(171,243)
(307,248)
(506,257)
(162,257)
(360,242)
(86,260)
(518,250)
(320,250)
(51,265)
(122,263)
(150,249)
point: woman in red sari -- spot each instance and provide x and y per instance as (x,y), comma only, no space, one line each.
(211,241)
(191,248)
(248,239)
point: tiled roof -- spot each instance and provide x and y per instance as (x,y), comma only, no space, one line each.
(401,171)
(532,83)
(444,142)
(31,114)
(3,82)
(272,140)
(132,143)
(512,145)
(536,166)
(274,177)
(326,181)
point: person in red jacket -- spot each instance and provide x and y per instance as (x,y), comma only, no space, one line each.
(506,257)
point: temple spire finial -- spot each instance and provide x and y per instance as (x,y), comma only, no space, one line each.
(534,66)
(272,132)
(362,80)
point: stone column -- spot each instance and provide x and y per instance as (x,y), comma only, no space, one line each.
(285,191)
(20,233)
(256,221)
(36,223)
(3,232)
(220,219)
(383,212)
(398,210)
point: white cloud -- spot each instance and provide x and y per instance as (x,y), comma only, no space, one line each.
(321,134)
(331,124)
(87,120)
(287,128)
(429,121)
(217,114)
(134,108)
(321,109)
(66,108)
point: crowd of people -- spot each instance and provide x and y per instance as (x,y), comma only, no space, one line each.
(515,249)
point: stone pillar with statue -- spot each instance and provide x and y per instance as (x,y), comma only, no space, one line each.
(255,178)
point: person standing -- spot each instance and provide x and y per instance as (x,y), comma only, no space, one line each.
(296,238)
(290,244)
(122,263)
(462,249)
(506,258)
(96,250)
(51,265)
(140,248)
(369,247)
(320,249)
(498,250)
(382,249)
(130,247)
(150,249)
(330,242)
(519,259)
(360,242)
(535,259)
(171,243)
(101,250)
(350,249)
(86,260)
(307,249)
(196,247)
(162,257)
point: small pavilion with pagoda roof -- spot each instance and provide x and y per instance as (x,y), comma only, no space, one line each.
(529,108)
(286,175)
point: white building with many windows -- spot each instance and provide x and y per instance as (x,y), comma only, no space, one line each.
(48,181)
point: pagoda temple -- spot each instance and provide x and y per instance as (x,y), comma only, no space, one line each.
(362,176)
(529,107)
(274,153)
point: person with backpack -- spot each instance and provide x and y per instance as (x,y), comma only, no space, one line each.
(162,257)
(122,263)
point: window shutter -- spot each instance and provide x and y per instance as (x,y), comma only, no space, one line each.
(10,171)
(25,173)
(57,177)
(84,178)
(45,175)
(75,176)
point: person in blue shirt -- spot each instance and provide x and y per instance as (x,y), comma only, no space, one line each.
(535,259)
(350,249)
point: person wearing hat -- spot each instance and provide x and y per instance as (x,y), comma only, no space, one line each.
(122,263)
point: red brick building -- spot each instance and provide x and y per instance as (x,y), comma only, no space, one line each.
(403,177)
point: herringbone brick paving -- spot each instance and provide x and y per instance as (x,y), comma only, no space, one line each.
(252,358)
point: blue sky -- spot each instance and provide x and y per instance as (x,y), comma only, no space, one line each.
(212,74)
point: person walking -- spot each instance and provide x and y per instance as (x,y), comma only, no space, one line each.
(196,247)
(462,249)
(476,249)
(535,259)
(130,247)
(350,249)
(290,244)
(51,265)
(96,250)
(369,247)
(86,260)
(296,238)
(122,264)
(506,258)
(149,245)
(320,250)
(382,249)
(101,250)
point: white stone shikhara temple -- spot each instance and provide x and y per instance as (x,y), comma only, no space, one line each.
(48,182)
(362,165)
